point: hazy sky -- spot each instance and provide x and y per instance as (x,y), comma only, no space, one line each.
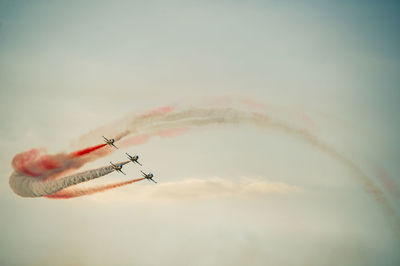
(228,195)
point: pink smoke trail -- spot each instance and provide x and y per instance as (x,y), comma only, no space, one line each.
(37,163)
(388,183)
(143,138)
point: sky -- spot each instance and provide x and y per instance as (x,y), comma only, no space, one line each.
(227,194)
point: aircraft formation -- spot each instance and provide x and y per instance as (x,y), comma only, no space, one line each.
(133,159)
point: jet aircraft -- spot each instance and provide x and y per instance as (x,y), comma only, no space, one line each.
(148,176)
(134,159)
(117,167)
(110,142)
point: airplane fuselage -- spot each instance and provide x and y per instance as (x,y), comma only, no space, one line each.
(110,142)
(134,159)
(148,176)
(117,167)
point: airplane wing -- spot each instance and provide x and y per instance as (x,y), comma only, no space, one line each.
(153,180)
(112,164)
(121,172)
(128,155)
(143,172)
(105,138)
(114,145)
(139,163)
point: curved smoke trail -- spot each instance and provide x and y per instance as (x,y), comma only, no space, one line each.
(27,186)
(168,122)
(37,163)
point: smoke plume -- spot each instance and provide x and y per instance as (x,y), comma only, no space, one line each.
(73,193)
(34,170)
(26,186)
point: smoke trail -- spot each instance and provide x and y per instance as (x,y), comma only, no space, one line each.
(167,120)
(146,127)
(142,128)
(87,150)
(37,163)
(68,194)
(27,186)
(388,183)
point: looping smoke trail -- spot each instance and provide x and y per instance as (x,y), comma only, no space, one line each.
(158,123)
(37,163)
(68,194)
(26,186)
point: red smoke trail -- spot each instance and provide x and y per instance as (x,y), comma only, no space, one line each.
(36,162)
(68,194)
(87,150)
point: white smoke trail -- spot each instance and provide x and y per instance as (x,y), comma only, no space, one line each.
(27,186)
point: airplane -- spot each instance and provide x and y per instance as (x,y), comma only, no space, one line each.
(118,167)
(110,142)
(148,176)
(134,159)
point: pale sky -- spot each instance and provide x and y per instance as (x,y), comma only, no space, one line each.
(227,195)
